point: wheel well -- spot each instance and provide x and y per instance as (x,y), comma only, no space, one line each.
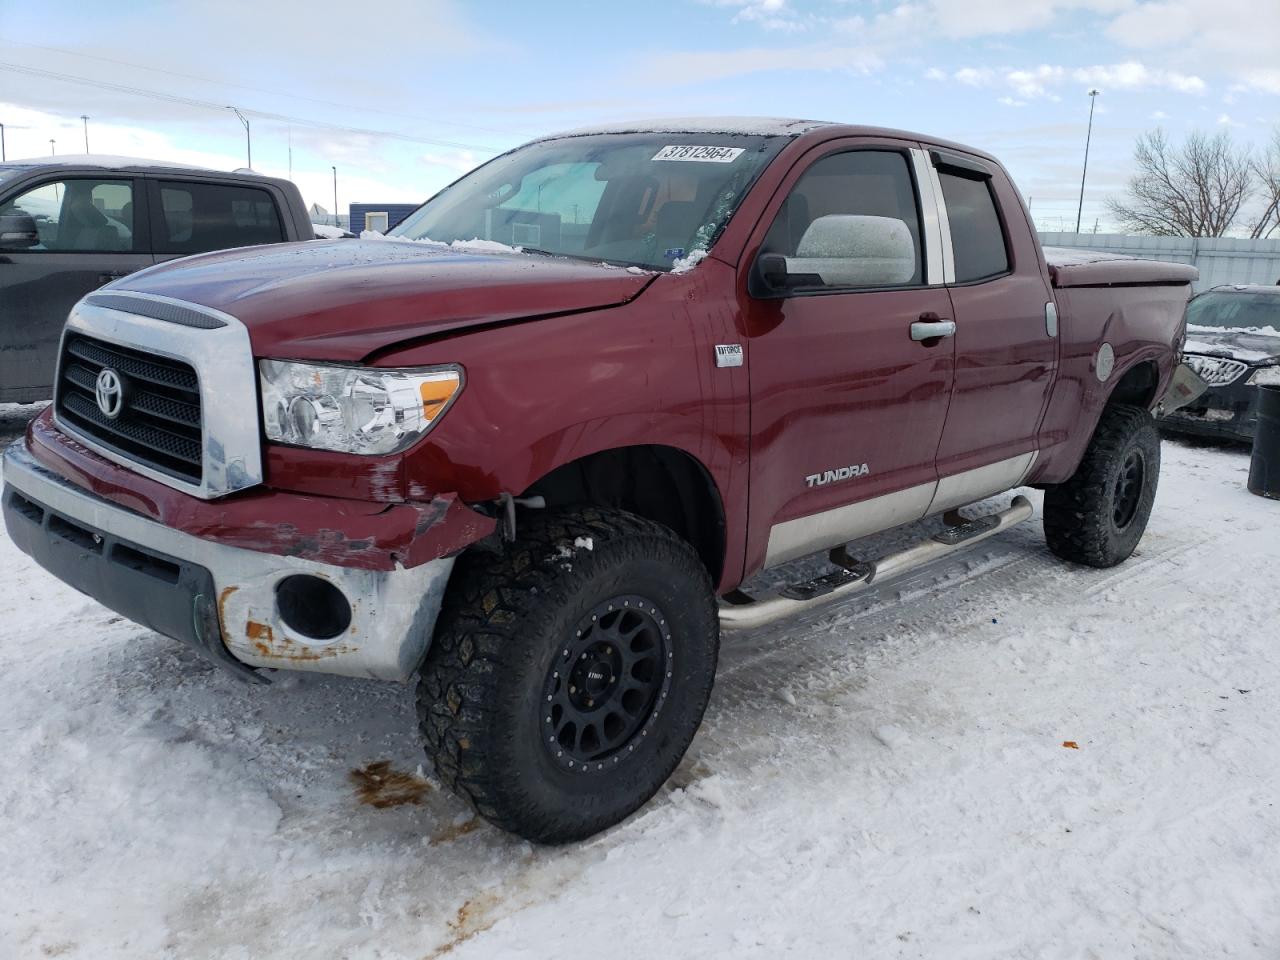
(660,483)
(1138,386)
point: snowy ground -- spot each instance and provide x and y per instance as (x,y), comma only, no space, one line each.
(890,779)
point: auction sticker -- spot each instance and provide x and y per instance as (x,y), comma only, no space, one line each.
(699,154)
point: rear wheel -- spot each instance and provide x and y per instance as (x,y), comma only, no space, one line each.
(1099,515)
(569,674)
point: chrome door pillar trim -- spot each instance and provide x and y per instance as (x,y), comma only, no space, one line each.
(927,174)
(935,255)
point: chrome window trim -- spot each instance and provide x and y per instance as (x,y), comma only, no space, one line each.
(944,223)
(936,251)
(223,361)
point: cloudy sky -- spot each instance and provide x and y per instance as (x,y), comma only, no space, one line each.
(404,95)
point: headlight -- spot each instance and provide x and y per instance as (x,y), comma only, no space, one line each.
(353,409)
(1267,376)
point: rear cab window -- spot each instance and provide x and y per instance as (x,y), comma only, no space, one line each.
(193,217)
(977,236)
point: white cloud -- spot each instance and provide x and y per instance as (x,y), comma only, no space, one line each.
(978,18)
(1135,76)
(1034,82)
(28,132)
(696,66)
(770,14)
(973,76)
(1043,80)
(1267,80)
(1159,115)
(1238,37)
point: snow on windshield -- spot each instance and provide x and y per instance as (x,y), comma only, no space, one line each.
(651,200)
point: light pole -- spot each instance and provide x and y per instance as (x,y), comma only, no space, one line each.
(335,198)
(1087,137)
(53,152)
(2,153)
(248,144)
(86,132)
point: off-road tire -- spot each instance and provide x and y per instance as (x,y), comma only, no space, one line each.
(506,620)
(1089,519)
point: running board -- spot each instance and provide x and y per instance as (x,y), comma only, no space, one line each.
(739,610)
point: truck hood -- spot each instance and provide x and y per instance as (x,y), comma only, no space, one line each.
(346,300)
(1247,346)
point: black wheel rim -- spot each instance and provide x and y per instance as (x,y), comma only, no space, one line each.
(607,684)
(1128,491)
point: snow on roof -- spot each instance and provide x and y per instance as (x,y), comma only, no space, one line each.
(744,126)
(103,160)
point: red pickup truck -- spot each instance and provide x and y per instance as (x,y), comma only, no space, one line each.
(527,451)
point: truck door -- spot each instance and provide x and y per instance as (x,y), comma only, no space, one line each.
(1006,352)
(85,237)
(849,356)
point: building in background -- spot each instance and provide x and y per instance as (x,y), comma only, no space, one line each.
(378,216)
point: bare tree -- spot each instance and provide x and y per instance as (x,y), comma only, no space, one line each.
(1195,190)
(1267,169)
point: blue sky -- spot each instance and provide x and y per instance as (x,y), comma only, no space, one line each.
(403,95)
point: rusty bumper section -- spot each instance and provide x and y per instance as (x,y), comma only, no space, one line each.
(392,612)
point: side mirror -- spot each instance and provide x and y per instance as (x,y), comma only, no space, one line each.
(773,270)
(18,231)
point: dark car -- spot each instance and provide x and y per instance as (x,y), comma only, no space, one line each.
(1233,343)
(69,226)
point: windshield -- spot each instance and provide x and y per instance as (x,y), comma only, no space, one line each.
(644,199)
(1236,310)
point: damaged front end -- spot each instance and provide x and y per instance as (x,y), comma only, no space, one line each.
(263,580)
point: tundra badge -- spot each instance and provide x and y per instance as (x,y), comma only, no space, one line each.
(831,476)
(728,354)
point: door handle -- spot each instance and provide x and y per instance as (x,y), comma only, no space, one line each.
(932,329)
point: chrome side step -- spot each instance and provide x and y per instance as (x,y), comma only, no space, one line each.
(739,610)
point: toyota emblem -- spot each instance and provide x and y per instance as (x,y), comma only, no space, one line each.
(109,392)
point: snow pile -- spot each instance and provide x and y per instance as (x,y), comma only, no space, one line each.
(728,126)
(474,245)
(685,264)
(887,779)
(1267,331)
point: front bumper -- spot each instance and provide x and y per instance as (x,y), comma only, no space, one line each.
(217,597)
(1228,412)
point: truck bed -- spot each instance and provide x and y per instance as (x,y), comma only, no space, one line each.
(1070,267)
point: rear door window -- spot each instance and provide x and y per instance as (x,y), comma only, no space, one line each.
(977,238)
(197,217)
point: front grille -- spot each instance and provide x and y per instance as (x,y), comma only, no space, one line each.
(159,421)
(1215,371)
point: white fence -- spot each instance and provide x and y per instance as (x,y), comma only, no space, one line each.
(1220,260)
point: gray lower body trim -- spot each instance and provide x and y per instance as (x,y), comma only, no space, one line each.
(393,612)
(821,531)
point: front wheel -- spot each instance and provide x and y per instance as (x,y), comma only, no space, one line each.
(1099,515)
(569,674)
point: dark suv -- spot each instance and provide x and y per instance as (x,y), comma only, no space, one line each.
(69,226)
(1233,344)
